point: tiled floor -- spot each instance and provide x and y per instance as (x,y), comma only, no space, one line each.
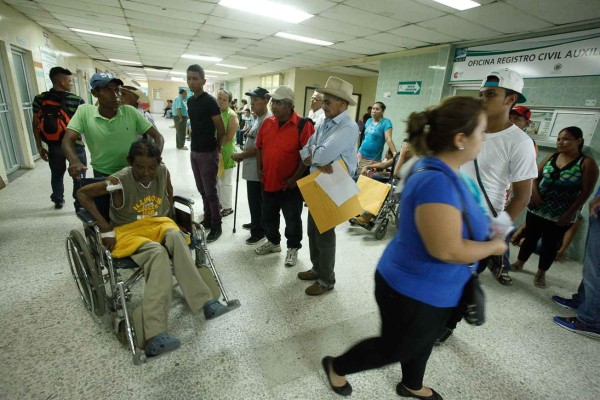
(270,348)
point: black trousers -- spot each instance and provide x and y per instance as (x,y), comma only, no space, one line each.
(289,202)
(552,236)
(408,330)
(255,204)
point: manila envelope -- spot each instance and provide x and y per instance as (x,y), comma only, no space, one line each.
(372,194)
(221,167)
(324,211)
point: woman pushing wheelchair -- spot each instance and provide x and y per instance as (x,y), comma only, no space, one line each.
(141,208)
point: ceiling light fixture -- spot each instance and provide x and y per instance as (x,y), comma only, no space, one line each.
(231,66)
(268,9)
(203,58)
(216,72)
(101,34)
(177,79)
(116,60)
(459,4)
(304,39)
(157,70)
(210,76)
(178,73)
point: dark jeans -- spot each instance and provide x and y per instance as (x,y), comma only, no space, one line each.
(58,167)
(180,131)
(239,137)
(289,202)
(588,294)
(552,236)
(205,167)
(322,252)
(408,330)
(255,204)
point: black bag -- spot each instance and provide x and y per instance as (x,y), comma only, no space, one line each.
(301,123)
(472,301)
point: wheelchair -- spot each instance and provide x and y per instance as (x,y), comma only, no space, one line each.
(389,209)
(99,279)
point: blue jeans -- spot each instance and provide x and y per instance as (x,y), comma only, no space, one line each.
(588,294)
(58,167)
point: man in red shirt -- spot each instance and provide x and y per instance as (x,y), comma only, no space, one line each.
(279,167)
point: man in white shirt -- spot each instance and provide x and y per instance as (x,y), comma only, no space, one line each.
(507,155)
(316,112)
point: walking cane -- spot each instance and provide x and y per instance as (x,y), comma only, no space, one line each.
(237,181)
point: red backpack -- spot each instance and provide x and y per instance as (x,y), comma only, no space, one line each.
(53,117)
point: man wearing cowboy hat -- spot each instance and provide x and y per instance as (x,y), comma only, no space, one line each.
(134,97)
(334,140)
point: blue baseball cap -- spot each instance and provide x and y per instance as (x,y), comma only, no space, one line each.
(101,79)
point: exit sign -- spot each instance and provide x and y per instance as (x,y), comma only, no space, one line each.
(410,87)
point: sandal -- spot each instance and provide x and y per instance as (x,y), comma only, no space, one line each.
(504,279)
(514,267)
(226,211)
(214,309)
(539,281)
(160,344)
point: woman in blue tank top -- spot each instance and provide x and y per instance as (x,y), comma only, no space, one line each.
(422,273)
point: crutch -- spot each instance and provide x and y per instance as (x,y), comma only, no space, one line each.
(237,181)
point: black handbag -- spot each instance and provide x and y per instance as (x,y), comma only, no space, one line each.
(472,301)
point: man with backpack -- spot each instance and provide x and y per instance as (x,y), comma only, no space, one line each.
(52,111)
(279,166)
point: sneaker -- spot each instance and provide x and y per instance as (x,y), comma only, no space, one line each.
(226,211)
(443,337)
(574,325)
(316,289)
(268,248)
(291,257)
(247,226)
(182,148)
(214,234)
(566,303)
(309,275)
(254,239)
(58,204)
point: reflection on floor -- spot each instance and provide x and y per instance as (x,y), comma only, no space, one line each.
(270,348)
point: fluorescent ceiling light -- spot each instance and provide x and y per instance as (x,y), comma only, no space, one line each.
(304,39)
(269,9)
(178,73)
(156,70)
(210,76)
(459,4)
(101,34)
(231,66)
(216,72)
(203,58)
(115,60)
(176,79)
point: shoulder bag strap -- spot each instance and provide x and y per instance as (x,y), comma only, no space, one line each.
(480,183)
(462,200)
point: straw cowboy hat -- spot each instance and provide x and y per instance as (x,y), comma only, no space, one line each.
(142,97)
(339,88)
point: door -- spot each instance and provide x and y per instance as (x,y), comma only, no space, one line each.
(8,143)
(26,91)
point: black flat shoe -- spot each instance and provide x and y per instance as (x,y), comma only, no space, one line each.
(345,390)
(404,392)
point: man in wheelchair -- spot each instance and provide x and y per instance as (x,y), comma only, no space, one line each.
(141,208)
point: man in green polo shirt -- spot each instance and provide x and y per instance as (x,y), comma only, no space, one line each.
(108,129)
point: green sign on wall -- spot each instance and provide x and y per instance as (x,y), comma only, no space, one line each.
(410,87)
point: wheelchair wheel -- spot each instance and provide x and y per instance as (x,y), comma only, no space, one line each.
(381,229)
(83,269)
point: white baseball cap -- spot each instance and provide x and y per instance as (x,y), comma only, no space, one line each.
(282,92)
(507,79)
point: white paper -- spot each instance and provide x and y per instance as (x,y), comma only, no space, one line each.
(339,186)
